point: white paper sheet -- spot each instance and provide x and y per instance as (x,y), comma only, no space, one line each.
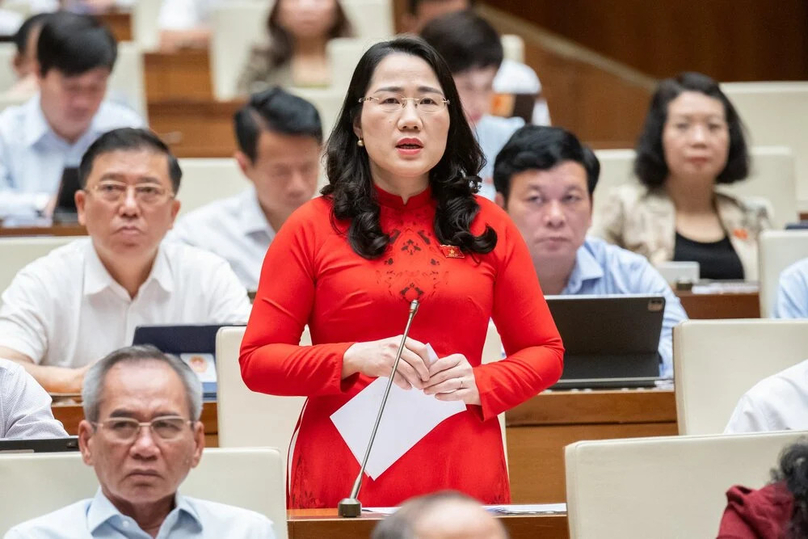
(408,417)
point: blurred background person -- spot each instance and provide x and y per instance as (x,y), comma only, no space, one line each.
(473,51)
(294,53)
(25,62)
(692,142)
(444,515)
(280,142)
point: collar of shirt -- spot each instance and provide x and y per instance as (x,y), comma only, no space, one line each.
(37,127)
(587,268)
(97,278)
(101,511)
(252,219)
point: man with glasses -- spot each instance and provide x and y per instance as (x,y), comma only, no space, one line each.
(279,145)
(66,310)
(142,435)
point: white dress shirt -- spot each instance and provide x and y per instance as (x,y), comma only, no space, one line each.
(779,402)
(66,310)
(792,293)
(25,408)
(234,228)
(185,14)
(32,156)
(190,519)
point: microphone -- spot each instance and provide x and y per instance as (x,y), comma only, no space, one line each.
(351,507)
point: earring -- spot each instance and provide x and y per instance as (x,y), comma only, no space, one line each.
(360,143)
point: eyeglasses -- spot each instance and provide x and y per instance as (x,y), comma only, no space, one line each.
(394,102)
(126,429)
(111,191)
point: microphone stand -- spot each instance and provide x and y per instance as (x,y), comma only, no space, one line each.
(351,507)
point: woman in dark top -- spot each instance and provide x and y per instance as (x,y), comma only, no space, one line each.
(692,142)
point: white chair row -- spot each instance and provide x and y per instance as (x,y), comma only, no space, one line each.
(250,478)
(777,250)
(665,488)
(771,178)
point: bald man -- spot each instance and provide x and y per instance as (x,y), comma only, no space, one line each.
(445,515)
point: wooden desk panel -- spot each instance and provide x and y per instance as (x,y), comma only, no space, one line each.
(720,306)
(202,128)
(56,230)
(119,23)
(184,75)
(538,431)
(324,523)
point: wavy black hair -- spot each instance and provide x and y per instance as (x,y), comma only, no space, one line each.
(453,180)
(793,473)
(650,165)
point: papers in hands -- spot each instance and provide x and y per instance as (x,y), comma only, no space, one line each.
(408,417)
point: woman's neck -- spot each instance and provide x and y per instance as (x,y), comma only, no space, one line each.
(403,187)
(691,195)
(311,47)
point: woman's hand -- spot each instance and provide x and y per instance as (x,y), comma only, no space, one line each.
(451,378)
(375,358)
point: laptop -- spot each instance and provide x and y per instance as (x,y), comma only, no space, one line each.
(194,344)
(40,445)
(610,341)
(65,210)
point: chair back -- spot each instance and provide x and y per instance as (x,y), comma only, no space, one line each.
(246,418)
(145,27)
(777,250)
(670,487)
(16,253)
(716,361)
(370,19)
(236,26)
(127,83)
(251,478)
(774,114)
(7,74)
(770,181)
(206,180)
(513,47)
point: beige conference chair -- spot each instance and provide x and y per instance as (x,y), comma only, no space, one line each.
(127,83)
(716,361)
(246,418)
(370,19)
(206,180)
(7,75)
(774,114)
(252,478)
(18,252)
(777,250)
(235,27)
(670,487)
(771,179)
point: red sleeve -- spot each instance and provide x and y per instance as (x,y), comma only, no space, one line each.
(535,354)
(271,359)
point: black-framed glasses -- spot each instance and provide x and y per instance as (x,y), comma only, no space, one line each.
(127,429)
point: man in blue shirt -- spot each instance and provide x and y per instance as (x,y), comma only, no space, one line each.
(545,179)
(142,435)
(792,294)
(52,130)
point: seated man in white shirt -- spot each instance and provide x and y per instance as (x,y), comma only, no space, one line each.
(279,137)
(792,294)
(25,408)
(24,62)
(779,402)
(66,310)
(53,129)
(473,51)
(142,435)
(545,179)
(444,515)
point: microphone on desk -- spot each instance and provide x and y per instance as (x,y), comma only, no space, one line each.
(351,507)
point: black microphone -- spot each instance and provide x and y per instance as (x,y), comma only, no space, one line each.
(351,506)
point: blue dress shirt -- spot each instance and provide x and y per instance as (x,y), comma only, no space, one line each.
(602,268)
(792,294)
(190,519)
(32,156)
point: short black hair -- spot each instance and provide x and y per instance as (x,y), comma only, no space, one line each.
(129,138)
(21,37)
(535,147)
(413,5)
(650,165)
(75,44)
(278,111)
(465,40)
